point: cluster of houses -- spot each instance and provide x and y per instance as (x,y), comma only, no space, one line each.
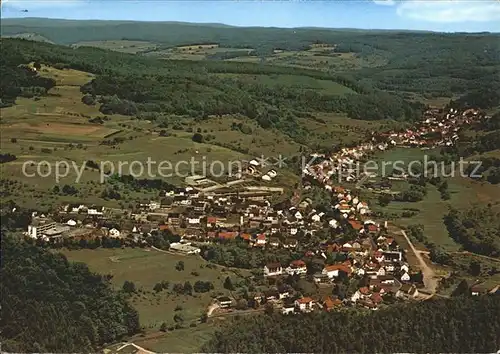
(438,128)
(341,166)
(377,262)
(223,214)
(246,213)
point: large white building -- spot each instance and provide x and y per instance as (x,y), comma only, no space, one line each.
(184,248)
(39,226)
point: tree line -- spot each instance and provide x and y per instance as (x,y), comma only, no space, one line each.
(459,325)
(52,305)
(476,229)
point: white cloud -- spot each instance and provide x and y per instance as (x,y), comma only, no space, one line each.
(385,2)
(448,11)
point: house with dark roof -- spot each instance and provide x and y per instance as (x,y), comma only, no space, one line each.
(273,269)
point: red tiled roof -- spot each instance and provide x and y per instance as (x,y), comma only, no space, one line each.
(305,300)
(261,237)
(330,303)
(163,227)
(245,236)
(228,235)
(364,290)
(356,225)
(376,298)
(298,264)
(211,220)
(341,267)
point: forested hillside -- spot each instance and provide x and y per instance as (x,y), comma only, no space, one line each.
(19,80)
(435,64)
(477,229)
(153,89)
(460,325)
(52,305)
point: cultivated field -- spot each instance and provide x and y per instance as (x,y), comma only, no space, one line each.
(185,340)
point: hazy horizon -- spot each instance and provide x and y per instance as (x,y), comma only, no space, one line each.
(409,15)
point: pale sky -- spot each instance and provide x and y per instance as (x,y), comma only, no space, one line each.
(435,15)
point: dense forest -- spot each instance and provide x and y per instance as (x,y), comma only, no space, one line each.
(18,80)
(237,254)
(459,325)
(477,229)
(432,63)
(52,305)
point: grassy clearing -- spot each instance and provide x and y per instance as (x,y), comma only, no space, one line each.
(146,268)
(314,58)
(258,141)
(188,340)
(332,128)
(432,210)
(322,59)
(66,77)
(124,46)
(400,157)
(194,52)
(462,271)
(45,129)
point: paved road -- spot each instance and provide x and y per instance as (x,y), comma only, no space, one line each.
(430,280)
(211,309)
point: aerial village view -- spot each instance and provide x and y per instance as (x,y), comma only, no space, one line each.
(346,248)
(250,176)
